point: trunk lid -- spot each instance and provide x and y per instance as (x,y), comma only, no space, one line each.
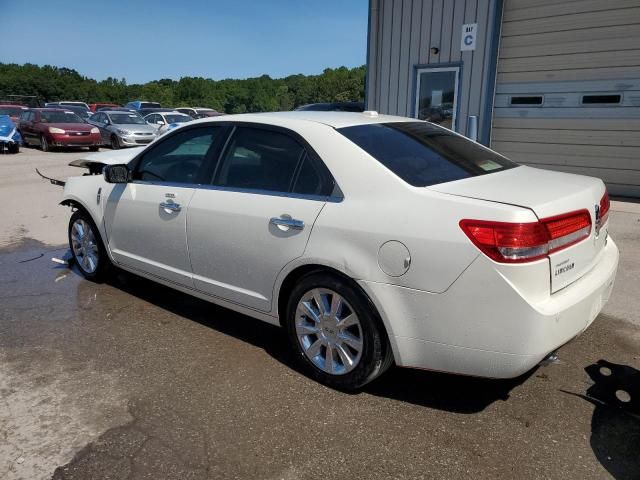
(547,194)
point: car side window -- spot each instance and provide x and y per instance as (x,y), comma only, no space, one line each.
(180,158)
(98,117)
(313,178)
(260,159)
(151,119)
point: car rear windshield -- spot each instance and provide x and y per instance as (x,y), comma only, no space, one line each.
(424,154)
(127,119)
(149,105)
(60,117)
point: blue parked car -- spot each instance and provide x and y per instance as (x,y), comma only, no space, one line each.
(138,104)
(10,139)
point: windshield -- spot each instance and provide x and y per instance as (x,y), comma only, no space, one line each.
(126,119)
(424,154)
(60,117)
(177,118)
(11,111)
(149,105)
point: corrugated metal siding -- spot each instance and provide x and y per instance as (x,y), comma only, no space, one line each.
(400,37)
(561,50)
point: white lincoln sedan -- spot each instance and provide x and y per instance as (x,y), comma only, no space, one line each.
(371,239)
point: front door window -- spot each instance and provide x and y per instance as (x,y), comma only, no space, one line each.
(436,96)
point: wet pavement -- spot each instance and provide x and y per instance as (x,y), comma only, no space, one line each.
(129,379)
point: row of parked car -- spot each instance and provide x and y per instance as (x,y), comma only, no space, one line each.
(78,124)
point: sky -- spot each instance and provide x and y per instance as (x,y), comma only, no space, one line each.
(148,40)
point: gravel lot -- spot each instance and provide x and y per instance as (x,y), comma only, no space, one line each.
(128,379)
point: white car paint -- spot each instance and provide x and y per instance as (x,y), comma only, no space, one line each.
(455,309)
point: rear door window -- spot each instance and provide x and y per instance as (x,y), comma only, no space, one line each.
(260,159)
(424,154)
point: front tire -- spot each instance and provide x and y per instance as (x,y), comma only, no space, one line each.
(44,144)
(87,248)
(115,143)
(335,332)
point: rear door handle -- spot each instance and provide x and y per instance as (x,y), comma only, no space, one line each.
(170,207)
(286,222)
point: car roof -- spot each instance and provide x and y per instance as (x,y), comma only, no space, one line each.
(332,119)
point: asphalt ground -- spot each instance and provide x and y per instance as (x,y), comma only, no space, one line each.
(129,379)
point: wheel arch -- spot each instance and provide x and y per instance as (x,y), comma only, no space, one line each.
(295,274)
(79,205)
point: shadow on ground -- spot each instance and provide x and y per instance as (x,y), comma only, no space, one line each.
(436,390)
(615,425)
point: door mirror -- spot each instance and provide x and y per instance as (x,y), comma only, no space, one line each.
(116,173)
(160,122)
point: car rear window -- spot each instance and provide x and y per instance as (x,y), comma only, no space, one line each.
(424,154)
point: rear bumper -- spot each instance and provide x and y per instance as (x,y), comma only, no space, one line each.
(482,326)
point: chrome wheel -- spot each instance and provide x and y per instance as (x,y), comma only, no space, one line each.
(84,245)
(329,331)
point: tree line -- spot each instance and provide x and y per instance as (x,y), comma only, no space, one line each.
(260,94)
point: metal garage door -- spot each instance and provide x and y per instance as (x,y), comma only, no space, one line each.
(568,88)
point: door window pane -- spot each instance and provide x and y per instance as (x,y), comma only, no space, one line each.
(436,99)
(260,160)
(179,158)
(313,179)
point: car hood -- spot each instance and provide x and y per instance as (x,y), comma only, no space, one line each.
(115,157)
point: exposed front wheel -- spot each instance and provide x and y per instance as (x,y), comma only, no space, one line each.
(115,144)
(86,246)
(336,332)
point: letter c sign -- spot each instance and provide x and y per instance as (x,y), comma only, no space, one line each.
(468,39)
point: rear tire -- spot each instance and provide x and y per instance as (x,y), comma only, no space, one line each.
(94,149)
(44,144)
(335,332)
(87,248)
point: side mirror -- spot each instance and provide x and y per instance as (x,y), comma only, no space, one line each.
(116,174)
(160,122)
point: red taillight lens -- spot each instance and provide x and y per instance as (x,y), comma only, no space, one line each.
(526,242)
(605,205)
(508,242)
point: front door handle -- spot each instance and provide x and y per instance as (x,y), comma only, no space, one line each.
(170,207)
(285,222)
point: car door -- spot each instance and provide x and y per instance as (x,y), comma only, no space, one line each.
(256,217)
(145,219)
(99,120)
(26,127)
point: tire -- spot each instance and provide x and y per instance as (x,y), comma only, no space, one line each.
(115,143)
(94,148)
(15,148)
(44,144)
(366,346)
(96,265)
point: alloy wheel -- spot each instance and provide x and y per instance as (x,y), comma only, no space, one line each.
(84,245)
(329,331)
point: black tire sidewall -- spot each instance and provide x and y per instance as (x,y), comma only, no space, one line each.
(115,143)
(375,344)
(103,258)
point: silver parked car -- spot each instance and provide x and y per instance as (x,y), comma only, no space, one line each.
(123,129)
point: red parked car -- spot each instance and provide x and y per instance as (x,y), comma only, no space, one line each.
(95,106)
(54,127)
(13,111)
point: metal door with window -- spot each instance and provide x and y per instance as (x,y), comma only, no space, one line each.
(437,95)
(146,218)
(256,216)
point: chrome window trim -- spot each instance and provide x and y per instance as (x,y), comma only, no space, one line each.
(201,186)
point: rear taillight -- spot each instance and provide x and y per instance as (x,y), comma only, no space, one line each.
(605,205)
(526,242)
